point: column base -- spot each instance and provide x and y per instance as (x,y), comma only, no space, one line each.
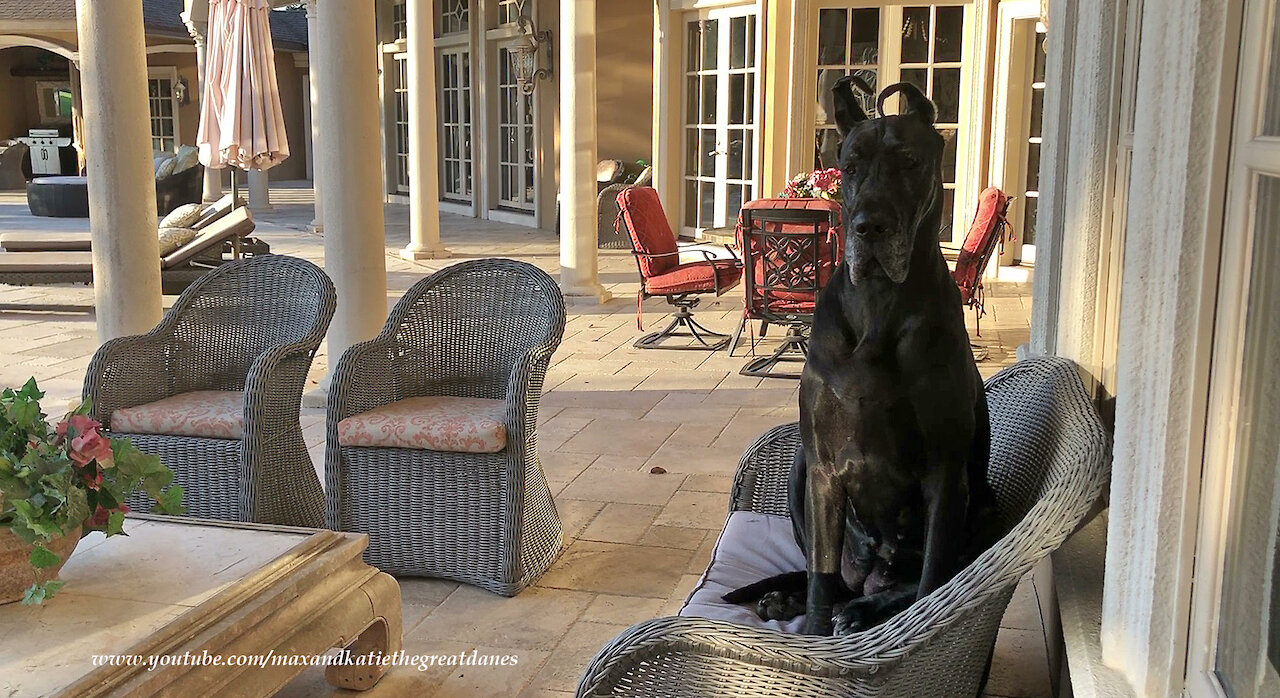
(261,209)
(413,253)
(315,226)
(591,294)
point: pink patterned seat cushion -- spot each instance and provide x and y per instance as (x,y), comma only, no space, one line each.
(434,423)
(210,414)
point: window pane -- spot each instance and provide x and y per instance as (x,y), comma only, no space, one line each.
(864,44)
(1271,114)
(1040,57)
(738,42)
(916,76)
(751,41)
(868,101)
(826,80)
(1033,167)
(737,98)
(1029,220)
(749,154)
(948,34)
(691,203)
(1037,112)
(832,31)
(694,59)
(948,154)
(691,151)
(734,203)
(707,210)
(915,35)
(708,99)
(946,94)
(737,154)
(948,214)
(691,101)
(826,148)
(749,100)
(708,168)
(710,43)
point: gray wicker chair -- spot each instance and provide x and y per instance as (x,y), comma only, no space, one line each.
(1049,462)
(251,325)
(479,329)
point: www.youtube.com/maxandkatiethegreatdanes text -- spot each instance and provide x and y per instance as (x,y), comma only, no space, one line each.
(333,658)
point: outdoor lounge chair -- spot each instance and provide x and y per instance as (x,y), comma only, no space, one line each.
(1049,463)
(432,429)
(177,270)
(25,241)
(661,273)
(215,389)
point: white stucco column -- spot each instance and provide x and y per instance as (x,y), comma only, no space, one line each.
(313,83)
(424,159)
(122,187)
(198,28)
(259,191)
(579,262)
(354,239)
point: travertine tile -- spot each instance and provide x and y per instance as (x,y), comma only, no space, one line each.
(620,523)
(622,610)
(535,619)
(620,437)
(564,667)
(621,486)
(608,568)
(695,510)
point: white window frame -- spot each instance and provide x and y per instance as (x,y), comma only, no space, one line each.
(969,172)
(467,151)
(169,73)
(724,14)
(1252,156)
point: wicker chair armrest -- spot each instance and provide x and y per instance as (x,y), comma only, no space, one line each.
(275,381)
(647,641)
(524,392)
(364,377)
(127,372)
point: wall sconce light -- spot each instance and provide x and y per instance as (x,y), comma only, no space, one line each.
(181,92)
(529,67)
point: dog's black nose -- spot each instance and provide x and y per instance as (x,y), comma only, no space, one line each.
(865,225)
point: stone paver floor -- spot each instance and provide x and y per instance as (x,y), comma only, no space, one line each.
(636,541)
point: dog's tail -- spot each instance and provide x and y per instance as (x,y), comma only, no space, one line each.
(787,581)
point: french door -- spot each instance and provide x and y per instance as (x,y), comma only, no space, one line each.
(400,120)
(162,102)
(720,142)
(517,140)
(926,45)
(456,132)
(1235,633)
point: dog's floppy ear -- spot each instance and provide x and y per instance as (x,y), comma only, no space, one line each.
(848,111)
(916,102)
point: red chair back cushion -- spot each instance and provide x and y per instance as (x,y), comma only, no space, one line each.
(981,241)
(649,229)
(789,261)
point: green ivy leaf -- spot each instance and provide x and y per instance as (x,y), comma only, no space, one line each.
(115,523)
(37,594)
(42,557)
(170,502)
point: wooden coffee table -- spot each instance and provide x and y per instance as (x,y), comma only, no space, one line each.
(175,585)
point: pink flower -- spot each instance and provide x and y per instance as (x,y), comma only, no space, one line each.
(823,180)
(88,444)
(79,423)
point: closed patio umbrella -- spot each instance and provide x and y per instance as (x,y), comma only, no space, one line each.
(241,122)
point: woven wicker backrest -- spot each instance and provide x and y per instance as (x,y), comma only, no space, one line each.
(459,331)
(229,317)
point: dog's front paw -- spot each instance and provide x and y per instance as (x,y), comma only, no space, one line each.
(849,619)
(779,605)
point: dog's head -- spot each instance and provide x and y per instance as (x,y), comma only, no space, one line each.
(891,178)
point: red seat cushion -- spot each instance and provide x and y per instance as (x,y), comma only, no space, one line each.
(980,241)
(650,232)
(694,277)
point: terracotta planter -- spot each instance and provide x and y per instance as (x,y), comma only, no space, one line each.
(16,574)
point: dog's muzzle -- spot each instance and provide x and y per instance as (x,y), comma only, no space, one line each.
(888,253)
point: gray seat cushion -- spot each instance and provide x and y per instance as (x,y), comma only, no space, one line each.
(752,547)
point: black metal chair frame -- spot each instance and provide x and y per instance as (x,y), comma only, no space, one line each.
(684,304)
(795,344)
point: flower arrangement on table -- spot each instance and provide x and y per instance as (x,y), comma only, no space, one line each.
(59,482)
(819,184)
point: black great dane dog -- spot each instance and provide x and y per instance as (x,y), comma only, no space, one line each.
(888,494)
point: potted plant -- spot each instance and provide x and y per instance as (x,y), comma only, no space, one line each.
(819,184)
(59,482)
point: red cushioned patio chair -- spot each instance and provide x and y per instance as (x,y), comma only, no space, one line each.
(662,274)
(986,234)
(791,248)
